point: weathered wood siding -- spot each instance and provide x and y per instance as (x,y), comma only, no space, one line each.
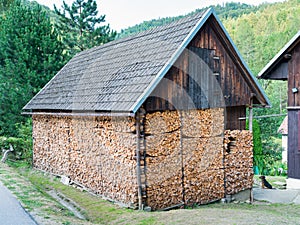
(294,77)
(293,144)
(204,76)
(233,118)
(235,89)
(293,114)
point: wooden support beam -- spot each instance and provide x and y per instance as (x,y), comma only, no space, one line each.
(251,113)
(138,160)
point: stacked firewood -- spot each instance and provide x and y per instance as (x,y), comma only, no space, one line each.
(188,157)
(163,161)
(184,157)
(238,160)
(202,144)
(97,152)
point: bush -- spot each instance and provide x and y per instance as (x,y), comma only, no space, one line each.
(22,144)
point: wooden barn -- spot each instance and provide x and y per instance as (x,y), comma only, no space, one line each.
(151,120)
(286,66)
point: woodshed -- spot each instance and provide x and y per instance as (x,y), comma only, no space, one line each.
(152,119)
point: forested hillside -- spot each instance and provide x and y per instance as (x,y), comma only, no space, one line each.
(35,44)
(259,36)
(229,10)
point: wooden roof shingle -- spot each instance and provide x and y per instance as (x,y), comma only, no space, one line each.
(120,75)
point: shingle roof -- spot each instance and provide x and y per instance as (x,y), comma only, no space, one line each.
(265,72)
(120,75)
(113,76)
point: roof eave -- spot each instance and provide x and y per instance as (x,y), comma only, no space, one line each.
(81,113)
(276,59)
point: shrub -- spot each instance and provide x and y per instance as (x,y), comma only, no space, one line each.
(22,144)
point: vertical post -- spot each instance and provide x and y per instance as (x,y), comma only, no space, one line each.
(250,118)
(251,129)
(251,113)
(138,159)
(182,158)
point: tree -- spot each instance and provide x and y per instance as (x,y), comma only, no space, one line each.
(30,54)
(4,5)
(80,27)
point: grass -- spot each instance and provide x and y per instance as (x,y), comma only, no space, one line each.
(31,187)
(272,180)
(95,209)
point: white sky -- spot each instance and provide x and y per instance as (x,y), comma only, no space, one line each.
(121,14)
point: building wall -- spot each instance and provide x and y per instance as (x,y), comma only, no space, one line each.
(206,75)
(294,77)
(188,155)
(293,114)
(293,144)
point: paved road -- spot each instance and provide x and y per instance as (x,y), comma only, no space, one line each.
(11,212)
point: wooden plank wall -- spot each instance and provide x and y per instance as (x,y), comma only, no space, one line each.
(293,142)
(204,76)
(233,115)
(235,88)
(294,77)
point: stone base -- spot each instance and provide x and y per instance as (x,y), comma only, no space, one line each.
(292,183)
(242,196)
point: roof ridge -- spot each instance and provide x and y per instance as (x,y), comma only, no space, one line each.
(188,18)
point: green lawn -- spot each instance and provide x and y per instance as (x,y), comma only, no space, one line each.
(31,187)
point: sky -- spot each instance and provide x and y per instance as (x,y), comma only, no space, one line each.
(121,14)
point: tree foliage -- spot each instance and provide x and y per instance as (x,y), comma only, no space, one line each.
(79,26)
(4,5)
(30,54)
(258,156)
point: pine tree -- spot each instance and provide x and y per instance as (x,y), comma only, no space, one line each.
(30,54)
(4,5)
(80,27)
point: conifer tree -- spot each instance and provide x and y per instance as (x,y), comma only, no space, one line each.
(4,5)
(30,54)
(80,27)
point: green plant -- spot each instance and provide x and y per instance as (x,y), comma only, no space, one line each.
(258,157)
(22,144)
